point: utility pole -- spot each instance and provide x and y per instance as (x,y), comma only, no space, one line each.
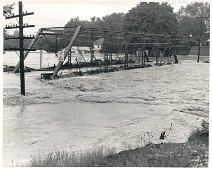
(21,46)
(111,49)
(126,51)
(174,50)
(21,38)
(143,52)
(157,50)
(200,35)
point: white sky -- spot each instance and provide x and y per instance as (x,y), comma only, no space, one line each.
(58,13)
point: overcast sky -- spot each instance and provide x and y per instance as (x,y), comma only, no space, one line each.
(58,13)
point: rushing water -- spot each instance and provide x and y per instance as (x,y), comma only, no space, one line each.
(41,127)
(34,128)
(33,59)
(30,129)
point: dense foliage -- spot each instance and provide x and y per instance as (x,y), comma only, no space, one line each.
(8,9)
(146,17)
(151,17)
(189,23)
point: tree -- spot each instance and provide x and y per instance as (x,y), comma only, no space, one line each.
(74,22)
(154,18)
(113,22)
(188,24)
(194,9)
(7,9)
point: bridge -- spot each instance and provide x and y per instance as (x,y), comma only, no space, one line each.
(114,41)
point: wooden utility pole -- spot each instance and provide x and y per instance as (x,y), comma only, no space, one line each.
(41,58)
(157,51)
(174,51)
(21,46)
(126,57)
(200,35)
(143,53)
(126,52)
(69,58)
(21,38)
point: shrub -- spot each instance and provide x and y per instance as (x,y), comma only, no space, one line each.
(201,133)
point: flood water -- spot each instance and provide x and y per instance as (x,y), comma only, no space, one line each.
(29,129)
(47,60)
(42,127)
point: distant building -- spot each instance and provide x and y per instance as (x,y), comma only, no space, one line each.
(98,44)
(83,53)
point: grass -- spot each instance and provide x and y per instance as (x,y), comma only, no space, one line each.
(193,153)
(59,158)
(190,154)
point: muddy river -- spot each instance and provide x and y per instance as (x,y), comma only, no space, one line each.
(119,110)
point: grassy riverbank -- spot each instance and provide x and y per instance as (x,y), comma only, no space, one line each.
(193,153)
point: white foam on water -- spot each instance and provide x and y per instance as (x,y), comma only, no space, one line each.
(123,109)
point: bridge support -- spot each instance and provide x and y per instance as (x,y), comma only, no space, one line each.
(59,65)
(16,69)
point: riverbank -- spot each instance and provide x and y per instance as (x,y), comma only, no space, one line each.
(193,153)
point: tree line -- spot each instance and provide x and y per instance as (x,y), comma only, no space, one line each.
(146,17)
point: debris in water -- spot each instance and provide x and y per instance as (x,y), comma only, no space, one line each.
(162,135)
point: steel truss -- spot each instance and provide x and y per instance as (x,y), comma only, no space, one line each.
(123,41)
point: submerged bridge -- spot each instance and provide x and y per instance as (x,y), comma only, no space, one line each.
(114,42)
